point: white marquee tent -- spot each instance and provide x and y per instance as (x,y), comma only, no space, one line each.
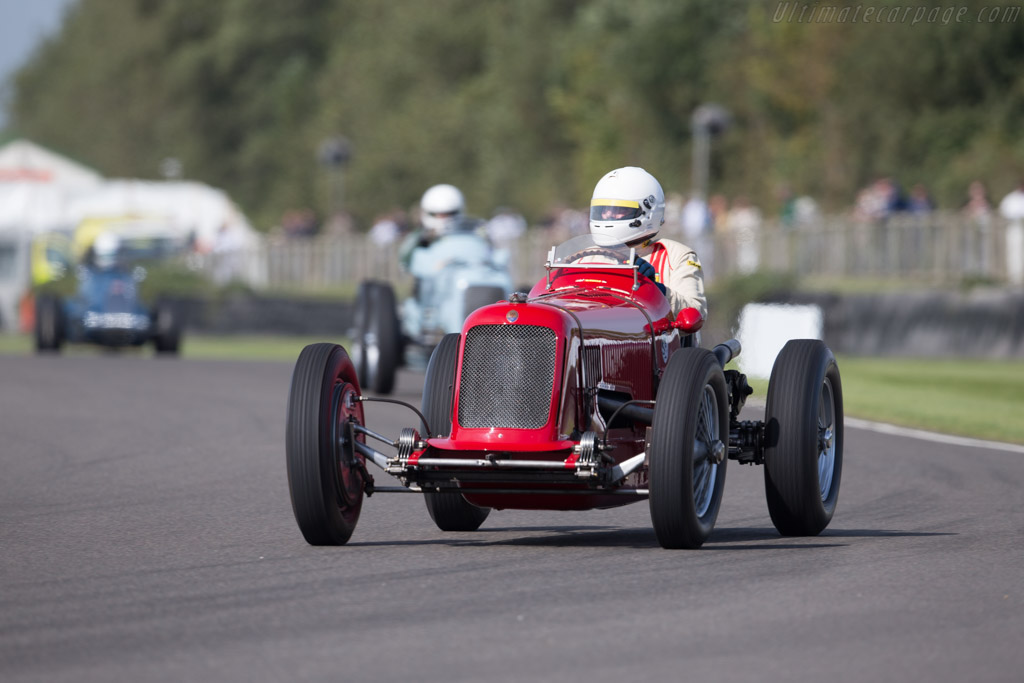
(41,191)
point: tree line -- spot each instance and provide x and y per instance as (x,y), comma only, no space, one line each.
(526,103)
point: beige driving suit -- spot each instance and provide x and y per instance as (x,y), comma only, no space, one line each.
(679,270)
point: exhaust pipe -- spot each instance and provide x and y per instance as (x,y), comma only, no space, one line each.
(634,411)
(726,351)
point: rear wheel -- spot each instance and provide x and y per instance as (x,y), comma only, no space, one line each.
(450,511)
(49,331)
(689,445)
(376,337)
(804,438)
(167,326)
(325,472)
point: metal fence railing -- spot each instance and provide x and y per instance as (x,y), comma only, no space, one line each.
(938,249)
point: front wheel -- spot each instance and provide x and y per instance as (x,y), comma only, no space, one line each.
(325,471)
(689,445)
(803,457)
(449,510)
(49,331)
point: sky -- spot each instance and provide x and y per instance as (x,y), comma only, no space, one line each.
(23,25)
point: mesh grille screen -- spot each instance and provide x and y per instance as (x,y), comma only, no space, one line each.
(507,377)
(592,366)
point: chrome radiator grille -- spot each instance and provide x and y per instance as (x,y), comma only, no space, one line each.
(507,377)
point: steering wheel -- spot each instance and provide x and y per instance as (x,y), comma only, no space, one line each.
(594,251)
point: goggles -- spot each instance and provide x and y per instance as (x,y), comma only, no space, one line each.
(614,209)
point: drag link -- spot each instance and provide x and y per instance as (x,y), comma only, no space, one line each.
(374,456)
(374,435)
(367,399)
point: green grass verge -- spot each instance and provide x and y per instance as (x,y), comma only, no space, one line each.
(273,348)
(249,347)
(979,398)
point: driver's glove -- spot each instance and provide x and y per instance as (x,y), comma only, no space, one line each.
(648,271)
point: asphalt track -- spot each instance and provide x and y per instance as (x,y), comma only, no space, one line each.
(147,535)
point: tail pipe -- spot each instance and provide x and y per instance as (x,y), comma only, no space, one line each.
(641,411)
(726,351)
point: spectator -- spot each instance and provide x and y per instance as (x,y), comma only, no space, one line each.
(977,247)
(1012,209)
(919,202)
(875,204)
(806,212)
(696,218)
(387,228)
(718,209)
(505,227)
(787,207)
(299,223)
(744,224)
(878,201)
(910,238)
(697,232)
(722,253)
(977,206)
(227,255)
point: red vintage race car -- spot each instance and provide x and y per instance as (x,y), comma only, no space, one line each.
(585,393)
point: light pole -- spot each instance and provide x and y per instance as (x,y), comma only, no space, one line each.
(708,121)
(171,168)
(334,155)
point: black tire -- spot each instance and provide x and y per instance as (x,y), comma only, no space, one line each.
(325,473)
(803,459)
(478,297)
(357,332)
(376,337)
(167,329)
(49,328)
(450,511)
(689,448)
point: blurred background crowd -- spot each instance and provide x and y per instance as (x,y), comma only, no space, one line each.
(301,135)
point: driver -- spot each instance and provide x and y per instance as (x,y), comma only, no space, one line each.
(442,211)
(103,252)
(628,206)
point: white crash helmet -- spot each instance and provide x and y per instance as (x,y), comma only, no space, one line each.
(628,206)
(442,209)
(104,249)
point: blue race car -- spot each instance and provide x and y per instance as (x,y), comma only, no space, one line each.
(455,275)
(106,310)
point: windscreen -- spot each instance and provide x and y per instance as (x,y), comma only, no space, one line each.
(591,249)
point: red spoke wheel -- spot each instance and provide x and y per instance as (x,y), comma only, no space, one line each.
(325,472)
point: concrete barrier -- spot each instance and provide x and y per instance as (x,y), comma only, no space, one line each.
(980,324)
(246,313)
